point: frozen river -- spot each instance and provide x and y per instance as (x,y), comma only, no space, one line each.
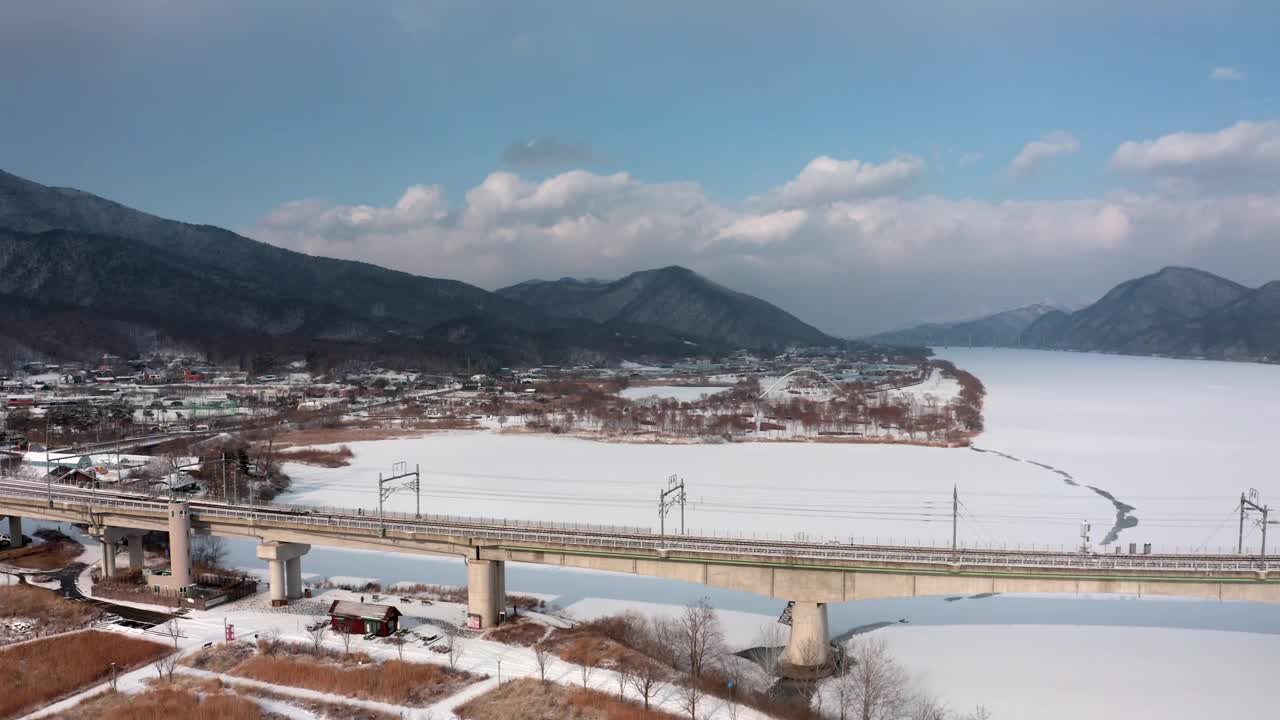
(1145,449)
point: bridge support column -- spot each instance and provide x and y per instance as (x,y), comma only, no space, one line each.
(109,537)
(284,563)
(108,555)
(15,531)
(293,578)
(808,652)
(486,587)
(135,551)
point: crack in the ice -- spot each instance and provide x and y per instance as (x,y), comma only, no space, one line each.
(1124,520)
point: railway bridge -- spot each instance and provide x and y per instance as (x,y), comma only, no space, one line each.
(810,575)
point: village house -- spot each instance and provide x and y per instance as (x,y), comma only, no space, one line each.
(363,618)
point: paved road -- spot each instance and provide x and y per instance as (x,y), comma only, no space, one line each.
(66,578)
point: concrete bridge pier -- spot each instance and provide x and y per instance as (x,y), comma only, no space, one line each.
(179,544)
(284,565)
(486,591)
(108,554)
(15,531)
(135,550)
(808,652)
(109,537)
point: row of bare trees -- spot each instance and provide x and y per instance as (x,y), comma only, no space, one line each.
(684,660)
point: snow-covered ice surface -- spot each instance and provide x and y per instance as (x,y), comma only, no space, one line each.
(683,393)
(1176,439)
(1066,672)
(871,493)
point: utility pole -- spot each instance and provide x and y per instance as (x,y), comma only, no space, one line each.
(399,472)
(48,469)
(1250,504)
(669,498)
(955,509)
(1240,542)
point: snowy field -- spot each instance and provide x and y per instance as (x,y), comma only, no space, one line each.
(1176,440)
(866,492)
(1179,440)
(683,393)
(1080,672)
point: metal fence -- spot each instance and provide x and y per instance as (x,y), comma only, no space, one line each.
(551,535)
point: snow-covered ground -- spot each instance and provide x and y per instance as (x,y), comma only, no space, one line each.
(683,393)
(868,492)
(1177,439)
(1067,672)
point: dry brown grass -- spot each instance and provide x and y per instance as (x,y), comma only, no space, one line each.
(51,612)
(38,672)
(43,556)
(165,703)
(392,681)
(334,436)
(320,708)
(519,632)
(220,658)
(527,699)
(319,458)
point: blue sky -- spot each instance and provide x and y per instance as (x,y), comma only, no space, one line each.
(306,123)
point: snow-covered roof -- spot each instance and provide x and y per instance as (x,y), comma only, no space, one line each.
(368,611)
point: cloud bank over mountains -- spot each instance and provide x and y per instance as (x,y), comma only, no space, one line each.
(850,244)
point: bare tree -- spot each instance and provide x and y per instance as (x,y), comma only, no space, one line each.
(542,656)
(623,671)
(648,679)
(690,696)
(701,639)
(664,641)
(398,644)
(925,707)
(317,634)
(208,551)
(455,650)
(345,633)
(771,642)
(166,665)
(269,642)
(877,683)
(733,675)
(172,631)
(582,652)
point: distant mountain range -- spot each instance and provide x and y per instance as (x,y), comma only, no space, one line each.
(998,330)
(674,298)
(81,275)
(1181,312)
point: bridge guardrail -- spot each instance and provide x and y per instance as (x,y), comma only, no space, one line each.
(534,535)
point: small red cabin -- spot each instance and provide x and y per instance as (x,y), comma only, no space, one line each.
(363,618)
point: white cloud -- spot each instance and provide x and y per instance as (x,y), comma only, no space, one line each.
(850,265)
(1036,152)
(1225,73)
(826,179)
(1243,151)
(761,230)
